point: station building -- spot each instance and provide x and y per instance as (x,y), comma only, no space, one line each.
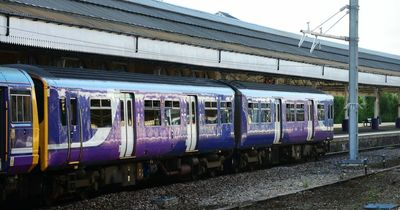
(154,37)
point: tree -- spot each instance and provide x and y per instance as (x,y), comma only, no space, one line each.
(339,109)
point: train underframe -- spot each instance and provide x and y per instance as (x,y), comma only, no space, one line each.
(80,180)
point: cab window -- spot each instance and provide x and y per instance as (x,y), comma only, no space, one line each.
(321,112)
(20,106)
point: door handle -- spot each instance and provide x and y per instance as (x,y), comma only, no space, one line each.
(24,131)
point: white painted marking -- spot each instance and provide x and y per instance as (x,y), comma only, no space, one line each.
(368,134)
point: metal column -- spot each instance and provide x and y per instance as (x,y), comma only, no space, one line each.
(376,105)
(398,112)
(376,120)
(353,81)
(346,101)
(345,122)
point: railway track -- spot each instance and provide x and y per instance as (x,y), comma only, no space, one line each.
(360,173)
(359,179)
(364,149)
(234,190)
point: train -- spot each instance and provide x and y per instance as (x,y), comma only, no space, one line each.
(69,129)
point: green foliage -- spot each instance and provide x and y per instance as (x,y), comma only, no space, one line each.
(388,107)
(339,109)
(366,107)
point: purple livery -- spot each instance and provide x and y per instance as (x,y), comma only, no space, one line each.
(85,128)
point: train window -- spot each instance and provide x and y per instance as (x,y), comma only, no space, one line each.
(191,117)
(278,112)
(63,111)
(211,112)
(330,111)
(100,113)
(265,113)
(226,112)
(321,112)
(73,110)
(300,112)
(152,113)
(129,107)
(122,112)
(20,106)
(95,103)
(252,112)
(106,103)
(290,113)
(172,113)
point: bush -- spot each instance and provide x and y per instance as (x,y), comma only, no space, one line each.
(388,107)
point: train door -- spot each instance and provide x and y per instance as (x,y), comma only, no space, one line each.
(20,122)
(127,129)
(3,129)
(74,128)
(191,113)
(310,120)
(278,121)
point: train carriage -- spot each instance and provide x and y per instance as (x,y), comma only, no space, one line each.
(91,127)
(274,118)
(93,118)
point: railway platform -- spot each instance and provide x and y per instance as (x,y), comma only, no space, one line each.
(383,127)
(387,135)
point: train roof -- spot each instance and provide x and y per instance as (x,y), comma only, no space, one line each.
(14,76)
(268,87)
(56,73)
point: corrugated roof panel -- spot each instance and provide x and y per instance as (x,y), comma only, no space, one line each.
(188,19)
(150,19)
(165,17)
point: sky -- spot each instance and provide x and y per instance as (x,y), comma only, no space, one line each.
(379,20)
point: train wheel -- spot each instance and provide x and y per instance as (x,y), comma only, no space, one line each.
(212,172)
(194,175)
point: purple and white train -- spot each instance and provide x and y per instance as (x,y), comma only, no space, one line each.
(65,129)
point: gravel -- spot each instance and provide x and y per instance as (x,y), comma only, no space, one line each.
(380,188)
(236,189)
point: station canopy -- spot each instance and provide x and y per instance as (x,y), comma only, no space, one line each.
(163,21)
